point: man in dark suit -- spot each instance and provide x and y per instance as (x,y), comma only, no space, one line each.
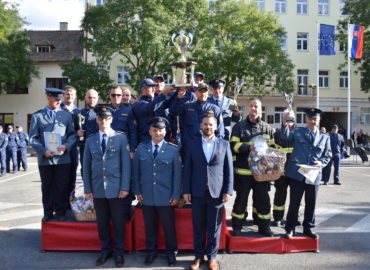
(157,184)
(208,184)
(107,181)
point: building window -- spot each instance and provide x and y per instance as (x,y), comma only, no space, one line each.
(302,41)
(323,7)
(278,116)
(100,2)
(302,80)
(261,5)
(301,6)
(343,79)
(56,82)
(264,113)
(15,89)
(342,4)
(284,43)
(6,119)
(324,79)
(43,49)
(342,46)
(280,6)
(365,116)
(300,115)
(123,75)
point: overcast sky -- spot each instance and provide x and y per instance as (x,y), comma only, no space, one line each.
(46,14)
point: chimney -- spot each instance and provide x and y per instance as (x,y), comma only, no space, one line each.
(63,26)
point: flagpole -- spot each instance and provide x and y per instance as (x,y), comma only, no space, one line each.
(349,85)
(317,65)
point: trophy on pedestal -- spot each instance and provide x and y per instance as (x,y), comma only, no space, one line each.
(182,44)
(289,100)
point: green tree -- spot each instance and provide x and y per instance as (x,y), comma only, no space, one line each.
(358,13)
(243,43)
(16,68)
(85,76)
(139,32)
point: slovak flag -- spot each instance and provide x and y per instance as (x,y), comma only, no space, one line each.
(356,40)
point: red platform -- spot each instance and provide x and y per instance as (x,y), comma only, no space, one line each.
(73,236)
(271,244)
(184,230)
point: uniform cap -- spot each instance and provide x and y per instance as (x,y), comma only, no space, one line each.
(103,111)
(147,82)
(202,86)
(155,77)
(198,74)
(217,83)
(54,92)
(335,126)
(158,122)
(313,112)
(10,126)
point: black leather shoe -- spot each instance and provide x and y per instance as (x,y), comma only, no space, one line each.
(299,223)
(119,261)
(149,259)
(171,261)
(277,223)
(337,183)
(266,231)
(47,218)
(310,233)
(325,183)
(289,234)
(103,257)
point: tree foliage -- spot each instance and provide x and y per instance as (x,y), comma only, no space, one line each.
(16,68)
(231,41)
(358,13)
(85,76)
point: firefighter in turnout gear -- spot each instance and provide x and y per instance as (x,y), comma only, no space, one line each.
(281,186)
(241,145)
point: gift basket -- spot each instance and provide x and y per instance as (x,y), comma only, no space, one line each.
(82,208)
(266,162)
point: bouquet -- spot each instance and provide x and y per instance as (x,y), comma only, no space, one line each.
(82,208)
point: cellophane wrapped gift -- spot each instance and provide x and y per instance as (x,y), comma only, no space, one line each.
(266,163)
(82,208)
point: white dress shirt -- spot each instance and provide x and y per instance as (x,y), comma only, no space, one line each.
(101,133)
(208,147)
(159,145)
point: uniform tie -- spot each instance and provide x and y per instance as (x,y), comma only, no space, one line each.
(103,143)
(312,136)
(155,153)
(52,115)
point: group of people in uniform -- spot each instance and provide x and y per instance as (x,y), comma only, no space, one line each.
(13,147)
(172,143)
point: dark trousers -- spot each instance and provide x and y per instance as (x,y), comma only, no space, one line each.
(73,172)
(22,158)
(82,149)
(207,215)
(327,169)
(297,188)
(261,201)
(167,217)
(3,161)
(11,154)
(107,210)
(281,190)
(54,184)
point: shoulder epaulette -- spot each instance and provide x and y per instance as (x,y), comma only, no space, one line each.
(175,145)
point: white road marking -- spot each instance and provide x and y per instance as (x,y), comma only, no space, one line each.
(362,225)
(21,175)
(22,214)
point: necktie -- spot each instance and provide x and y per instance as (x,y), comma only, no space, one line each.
(103,143)
(312,136)
(52,115)
(155,153)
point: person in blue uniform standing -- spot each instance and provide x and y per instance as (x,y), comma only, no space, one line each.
(192,113)
(89,125)
(157,184)
(3,144)
(67,105)
(310,147)
(123,119)
(11,150)
(208,184)
(23,142)
(148,107)
(54,164)
(106,176)
(227,105)
(337,148)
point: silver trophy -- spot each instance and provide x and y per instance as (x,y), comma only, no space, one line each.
(81,122)
(182,43)
(289,100)
(238,87)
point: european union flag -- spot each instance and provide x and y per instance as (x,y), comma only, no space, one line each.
(327,39)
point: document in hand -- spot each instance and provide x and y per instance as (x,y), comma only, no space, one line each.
(309,172)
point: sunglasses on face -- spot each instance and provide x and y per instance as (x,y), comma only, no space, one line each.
(116,95)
